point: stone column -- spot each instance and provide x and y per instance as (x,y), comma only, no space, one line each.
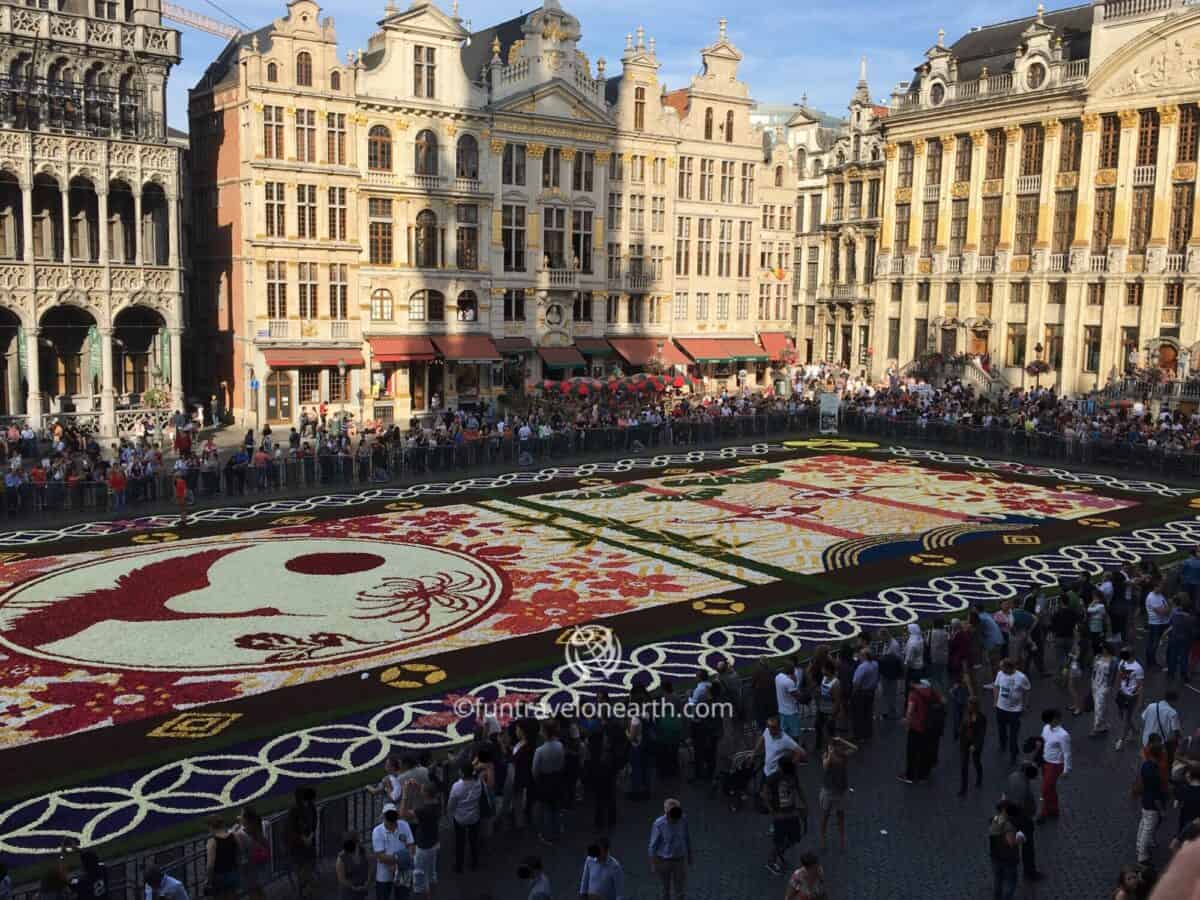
(176,334)
(975,194)
(1051,129)
(102,216)
(1125,160)
(887,235)
(945,197)
(33,376)
(1008,202)
(108,399)
(137,227)
(1085,202)
(65,195)
(916,214)
(1168,129)
(173,231)
(27,220)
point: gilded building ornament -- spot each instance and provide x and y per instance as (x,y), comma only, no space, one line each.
(402,124)
(1129,118)
(993,186)
(1067,181)
(530,293)
(535,151)
(627,158)
(924,266)
(903,195)
(451,129)
(960,190)
(1106,178)
(567,154)
(889,151)
(1168,114)
(497,146)
(1091,122)
(948,142)
(1051,127)
(1184,172)
(602,157)
(977,138)
(1019,264)
(918,146)
(1135,263)
(497,292)
(513,49)
(1012,133)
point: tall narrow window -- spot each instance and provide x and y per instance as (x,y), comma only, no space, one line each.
(338,290)
(307,282)
(304,73)
(379,149)
(554,235)
(337,214)
(904,171)
(729,127)
(708,123)
(466,245)
(379,226)
(1189,133)
(512,229)
(272,72)
(466,158)
(1147,138)
(335,81)
(423,72)
(335,138)
(933,164)
(276,290)
(639,109)
(552,168)
(1033,143)
(1182,203)
(306,210)
(1139,223)
(1110,140)
(929,221)
(962,158)
(903,213)
(958,226)
(1102,224)
(745,237)
(382,308)
(1071,150)
(426,160)
(1064,221)
(273,132)
(704,228)
(1027,218)
(306,135)
(276,209)
(581,239)
(683,244)
(512,167)
(994,163)
(425,240)
(583,172)
(989,235)
(685,178)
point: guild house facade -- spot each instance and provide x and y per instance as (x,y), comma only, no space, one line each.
(1040,196)
(450,216)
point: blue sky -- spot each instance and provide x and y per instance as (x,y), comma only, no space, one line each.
(790,48)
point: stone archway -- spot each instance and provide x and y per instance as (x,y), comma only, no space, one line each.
(69,360)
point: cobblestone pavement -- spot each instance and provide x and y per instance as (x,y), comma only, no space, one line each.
(904,841)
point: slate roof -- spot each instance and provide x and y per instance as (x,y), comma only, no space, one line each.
(219,67)
(478,52)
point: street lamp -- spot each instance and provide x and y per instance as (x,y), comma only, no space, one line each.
(342,388)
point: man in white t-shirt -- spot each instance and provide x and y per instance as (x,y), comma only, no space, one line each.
(1158,617)
(1162,718)
(1009,689)
(392,842)
(785,699)
(774,745)
(1130,678)
(163,887)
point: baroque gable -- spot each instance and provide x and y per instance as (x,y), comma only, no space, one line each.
(557,100)
(1163,60)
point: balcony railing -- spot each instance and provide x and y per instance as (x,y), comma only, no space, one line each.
(1143,176)
(38,104)
(844,291)
(563,278)
(279,328)
(1098,262)
(932,192)
(638,281)
(954,265)
(1171,315)
(92,33)
(898,265)
(1175,262)
(1076,70)
(1120,9)
(426,182)
(339,329)
(1029,184)
(855,213)
(985,265)
(1057,262)
(994,86)
(468,185)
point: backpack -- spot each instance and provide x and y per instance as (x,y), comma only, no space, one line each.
(935,715)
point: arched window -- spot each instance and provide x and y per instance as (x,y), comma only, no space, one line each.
(639,109)
(379,149)
(857,147)
(729,127)
(779,176)
(304,69)
(426,240)
(427,162)
(335,81)
(381,305)
(466,162)
(272,72)
(708,124)
(817,167)
(467,306)
(801,161)
(875,153)
(427,306)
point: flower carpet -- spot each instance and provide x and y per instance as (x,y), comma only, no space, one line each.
(205,663)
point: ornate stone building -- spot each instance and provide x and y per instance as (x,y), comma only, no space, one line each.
(91,309)
(1041,194)
(451,216)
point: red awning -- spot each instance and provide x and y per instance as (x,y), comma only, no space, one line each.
(594,346)
(467,348)
(774,342)
(321,357)
(402,349)
(639,351)
(514,345)
(705,350)
(561,357)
